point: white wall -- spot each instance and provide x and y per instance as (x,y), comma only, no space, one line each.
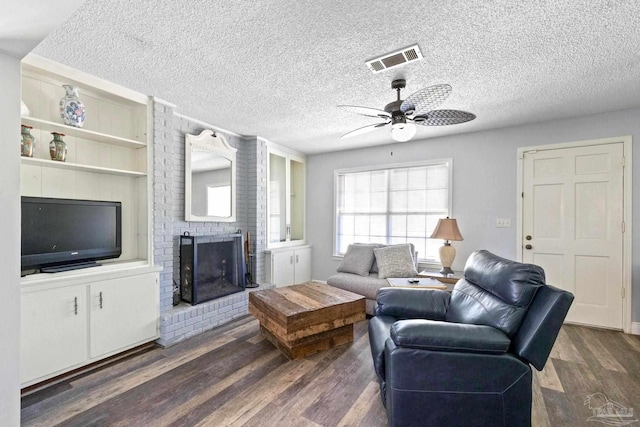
(484,183)
(10,248)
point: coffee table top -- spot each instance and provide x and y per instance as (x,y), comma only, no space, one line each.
(290,301)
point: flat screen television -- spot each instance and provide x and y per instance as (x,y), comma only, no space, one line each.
(65,234)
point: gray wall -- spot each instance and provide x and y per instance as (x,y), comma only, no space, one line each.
(10,248)
(484,183)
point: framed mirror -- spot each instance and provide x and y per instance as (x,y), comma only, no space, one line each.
(210,178)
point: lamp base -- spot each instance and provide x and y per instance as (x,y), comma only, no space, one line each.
(446,270)
(447,255)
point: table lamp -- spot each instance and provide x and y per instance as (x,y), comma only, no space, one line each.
(447,229)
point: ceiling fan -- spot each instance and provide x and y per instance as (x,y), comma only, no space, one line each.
(417,109)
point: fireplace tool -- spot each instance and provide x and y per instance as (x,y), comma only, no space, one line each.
(247,259)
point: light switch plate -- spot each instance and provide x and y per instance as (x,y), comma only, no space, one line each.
(503,222)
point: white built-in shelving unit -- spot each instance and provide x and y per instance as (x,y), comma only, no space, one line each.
(75,318)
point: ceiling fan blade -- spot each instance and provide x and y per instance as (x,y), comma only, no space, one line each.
(443,118)
(364,130)
(365,111)
(426,99)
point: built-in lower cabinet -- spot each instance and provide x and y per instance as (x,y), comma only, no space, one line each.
(71,320)
(288,266)
(53,331)
(122,313)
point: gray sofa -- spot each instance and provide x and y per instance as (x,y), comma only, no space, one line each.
(359,271)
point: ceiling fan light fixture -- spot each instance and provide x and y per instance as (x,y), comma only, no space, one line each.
(403,132)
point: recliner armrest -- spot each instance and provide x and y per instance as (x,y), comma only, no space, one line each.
(408,303)
(453,337)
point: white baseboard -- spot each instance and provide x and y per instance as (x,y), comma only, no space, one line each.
(635,328)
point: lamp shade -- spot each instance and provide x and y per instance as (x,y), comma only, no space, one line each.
(447,229)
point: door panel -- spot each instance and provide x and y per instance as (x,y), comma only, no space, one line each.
(573,211)
(53,331)
(124,311)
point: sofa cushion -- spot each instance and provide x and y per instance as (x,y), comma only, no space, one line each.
(365,286)
(357,260)
(374,266)
(395,261)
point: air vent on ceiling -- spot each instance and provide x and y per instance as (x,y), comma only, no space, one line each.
(393,59)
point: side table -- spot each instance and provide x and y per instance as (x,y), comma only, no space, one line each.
(451,279)
(423,283)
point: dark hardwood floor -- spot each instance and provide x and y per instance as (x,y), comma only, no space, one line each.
(231,376)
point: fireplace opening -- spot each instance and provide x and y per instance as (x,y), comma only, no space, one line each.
(211,267)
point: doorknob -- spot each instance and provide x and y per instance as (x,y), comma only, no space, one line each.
(528,237)
(528,247)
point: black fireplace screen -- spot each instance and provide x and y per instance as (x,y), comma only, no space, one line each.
(211,267)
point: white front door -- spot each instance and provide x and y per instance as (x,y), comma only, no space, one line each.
(572,226)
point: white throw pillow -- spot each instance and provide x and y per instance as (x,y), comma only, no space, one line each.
(395,261)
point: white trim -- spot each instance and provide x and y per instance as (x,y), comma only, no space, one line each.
(281,149)
(626,140)
(635,328)
(218,145)
(56,70)
(208,125)
(163,102)
(336,172)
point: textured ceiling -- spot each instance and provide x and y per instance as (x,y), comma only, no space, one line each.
(278,69)
(25,23)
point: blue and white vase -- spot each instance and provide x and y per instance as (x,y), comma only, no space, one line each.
(71,108)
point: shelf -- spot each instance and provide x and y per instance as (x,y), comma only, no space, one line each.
(81,133)
(78,167)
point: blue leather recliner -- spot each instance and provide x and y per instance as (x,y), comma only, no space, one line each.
(463,359)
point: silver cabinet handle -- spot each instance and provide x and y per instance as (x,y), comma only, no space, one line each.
(297,260)
(291,259)
(75,305)
(100,298)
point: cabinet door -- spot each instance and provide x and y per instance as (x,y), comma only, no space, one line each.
(282,268)
(302,265)
(53,334)
(124,312)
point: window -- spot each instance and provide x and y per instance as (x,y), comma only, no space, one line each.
(391,205)
(215,200)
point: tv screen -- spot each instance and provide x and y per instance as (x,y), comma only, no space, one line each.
(59,232)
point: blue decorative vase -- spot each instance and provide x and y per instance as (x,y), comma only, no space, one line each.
(71,108)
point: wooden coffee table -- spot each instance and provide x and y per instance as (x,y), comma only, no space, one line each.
(303,319)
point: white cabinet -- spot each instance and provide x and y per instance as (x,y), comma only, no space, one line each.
(53,329)
(288,266)
(107,159)
(75,318)
(122,311)
(286,199)
(72,319)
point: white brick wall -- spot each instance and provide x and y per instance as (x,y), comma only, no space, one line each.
(184,321)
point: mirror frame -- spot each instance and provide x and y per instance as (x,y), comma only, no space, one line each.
(217,144)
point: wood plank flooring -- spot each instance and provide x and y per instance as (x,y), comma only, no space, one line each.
(232,377)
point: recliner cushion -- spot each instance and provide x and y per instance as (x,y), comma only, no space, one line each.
(494,292)
(513,282)
(379,332)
